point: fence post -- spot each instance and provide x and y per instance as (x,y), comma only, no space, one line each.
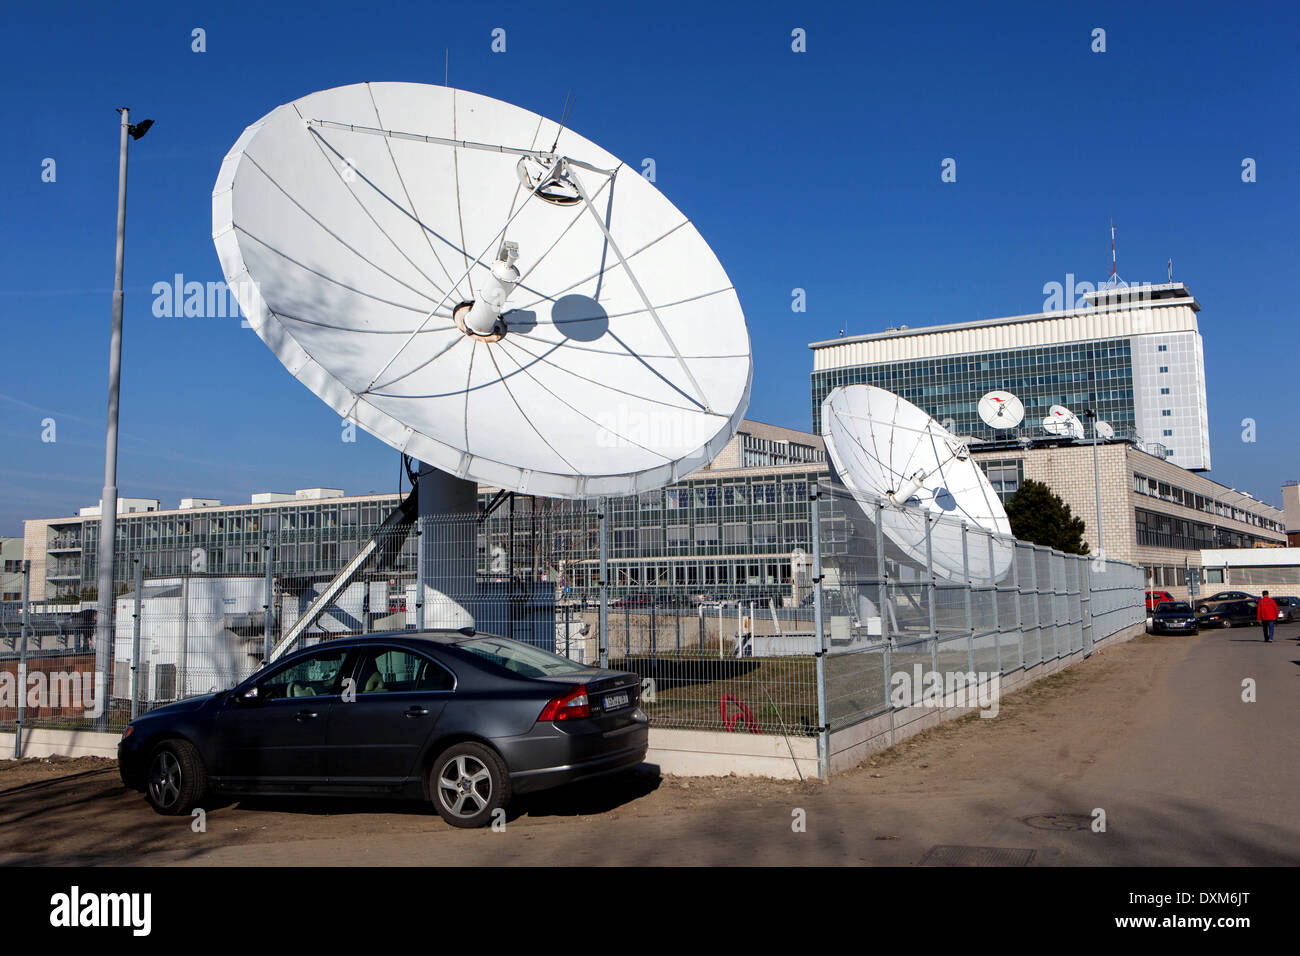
(419,573)
(602,638)
(929,570)
(823,723)
(886,599)
(654,603)
(267,615)
(997,620)
(966,596)
(677,617)
(22,660)
(135,636)
(1020,609)
(183,671)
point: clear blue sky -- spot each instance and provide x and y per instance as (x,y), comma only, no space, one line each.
(818,170)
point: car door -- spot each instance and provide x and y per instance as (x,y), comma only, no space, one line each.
(272,735)
(381,724)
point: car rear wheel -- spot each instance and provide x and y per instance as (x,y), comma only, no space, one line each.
(177,781)
(468,784)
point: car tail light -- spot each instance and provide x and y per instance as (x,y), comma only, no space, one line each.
(567,707)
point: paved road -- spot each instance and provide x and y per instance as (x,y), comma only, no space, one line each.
(1154,733)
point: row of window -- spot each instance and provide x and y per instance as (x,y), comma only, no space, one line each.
(1165,531)
(1154,488)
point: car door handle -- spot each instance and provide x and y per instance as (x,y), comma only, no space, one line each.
(415,712)
(305,715)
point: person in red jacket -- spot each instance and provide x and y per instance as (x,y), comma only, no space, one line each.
(1266,614)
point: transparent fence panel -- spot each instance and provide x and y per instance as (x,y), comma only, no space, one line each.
(904,595)
(721,642)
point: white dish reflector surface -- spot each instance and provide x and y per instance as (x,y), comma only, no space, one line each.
(877,440)
(348,247)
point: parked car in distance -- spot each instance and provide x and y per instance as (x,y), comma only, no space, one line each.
(1227,614)
(1155,598)
(460,719)
(1225,596)
(1288,609)
(1173,617)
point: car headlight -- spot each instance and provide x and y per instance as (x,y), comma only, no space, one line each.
(130,729)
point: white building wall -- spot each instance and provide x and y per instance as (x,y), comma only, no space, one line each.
(1178,390)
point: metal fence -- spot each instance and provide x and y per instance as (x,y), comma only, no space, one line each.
(949,598)
(910,600)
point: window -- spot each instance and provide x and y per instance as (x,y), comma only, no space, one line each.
(1167,432)
(1164,368)
(519,658)
(706,534)
(1165,390)
(391,670)
(1162,348)
(1165,412)
(764,532)
(314,676)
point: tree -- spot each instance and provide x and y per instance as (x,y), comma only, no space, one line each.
(1039,516)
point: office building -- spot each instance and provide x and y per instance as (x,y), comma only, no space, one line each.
(1132,354)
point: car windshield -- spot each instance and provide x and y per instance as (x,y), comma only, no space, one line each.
(520,658)
(1174,607)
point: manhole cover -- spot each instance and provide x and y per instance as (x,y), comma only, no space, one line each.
(1059,821)
(944,855)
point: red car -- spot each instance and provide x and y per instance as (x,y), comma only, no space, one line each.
(1155,598)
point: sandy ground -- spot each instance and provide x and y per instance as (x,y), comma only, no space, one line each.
(1152,733)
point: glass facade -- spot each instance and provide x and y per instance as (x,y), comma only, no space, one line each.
(316,535)
(1097,375)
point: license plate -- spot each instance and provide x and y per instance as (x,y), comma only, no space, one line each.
(615,701)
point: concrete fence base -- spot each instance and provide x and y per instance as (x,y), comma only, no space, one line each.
(851,745)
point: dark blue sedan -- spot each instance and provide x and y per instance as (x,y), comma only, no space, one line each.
(460,719)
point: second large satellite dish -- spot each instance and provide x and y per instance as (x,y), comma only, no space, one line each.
(884,447)
(484,290)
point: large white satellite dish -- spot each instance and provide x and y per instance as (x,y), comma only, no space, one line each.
(999,409)
(884,447)
(1063,422)
(482,289)
(1105,431)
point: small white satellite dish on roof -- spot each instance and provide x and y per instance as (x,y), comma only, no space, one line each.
(1104,430)
(999,409)
(1063,422)
(884,447)
(483,289)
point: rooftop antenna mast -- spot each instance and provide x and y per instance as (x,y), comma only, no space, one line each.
(1115,281)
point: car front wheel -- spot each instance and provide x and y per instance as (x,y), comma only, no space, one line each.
(177,781)
(469,784)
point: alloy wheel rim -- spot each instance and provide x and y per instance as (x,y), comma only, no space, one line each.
(465,786)
(165,779)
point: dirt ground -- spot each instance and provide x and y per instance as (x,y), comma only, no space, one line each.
(1152,733)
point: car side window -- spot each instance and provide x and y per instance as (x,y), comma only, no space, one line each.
(393,670)
(313,676)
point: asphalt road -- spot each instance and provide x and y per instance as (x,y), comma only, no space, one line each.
(1154,734)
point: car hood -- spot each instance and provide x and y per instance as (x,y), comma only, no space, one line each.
(181,706)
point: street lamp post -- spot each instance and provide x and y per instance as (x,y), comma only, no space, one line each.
(1096,481)
(108,501)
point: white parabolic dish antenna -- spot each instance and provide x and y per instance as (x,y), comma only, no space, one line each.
(487,292)
(1105,430)
(884,447)
(1061,421)
(1000,409)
